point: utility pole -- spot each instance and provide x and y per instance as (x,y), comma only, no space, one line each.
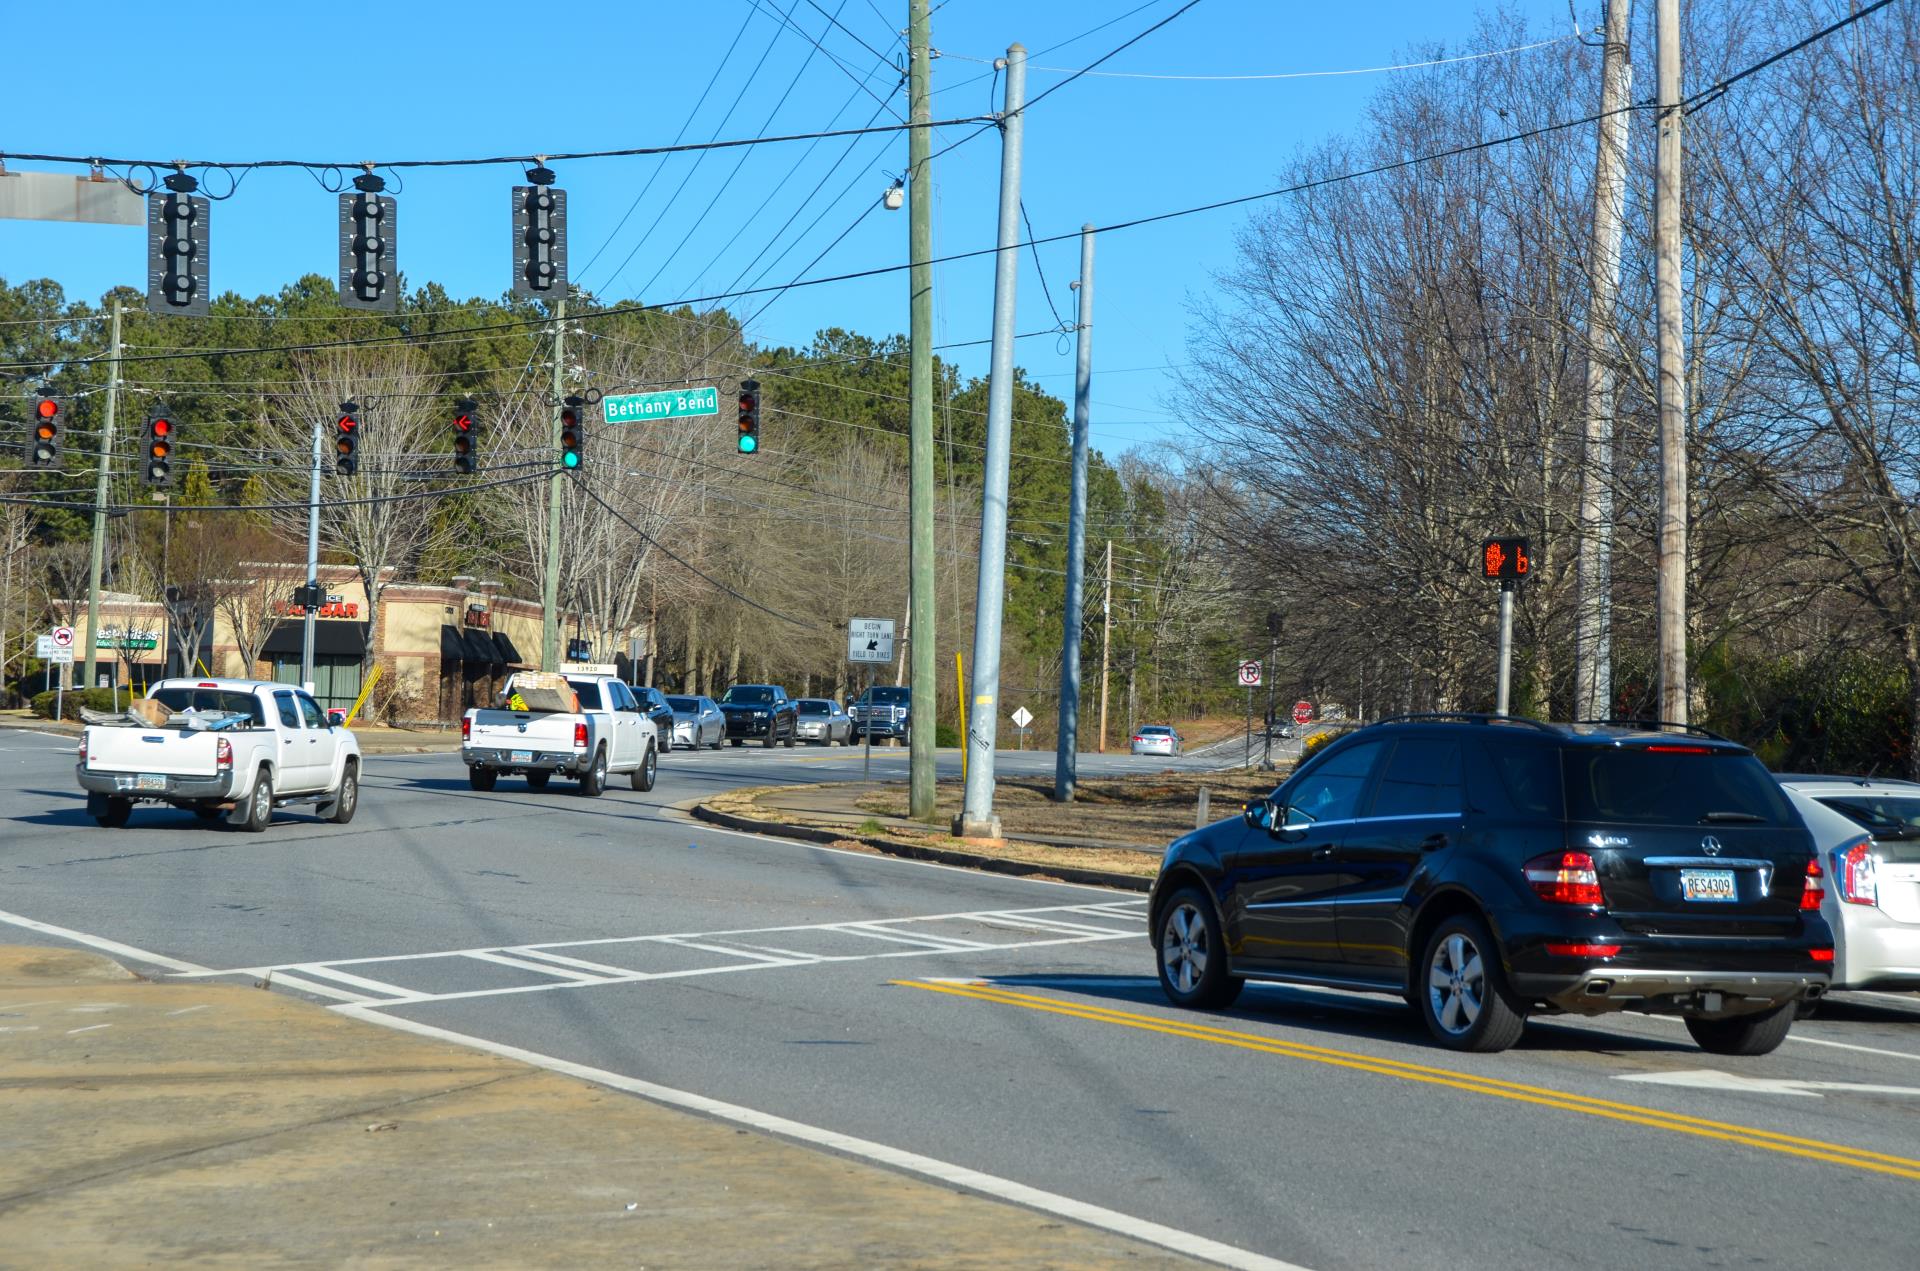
(1066,750)
(313,563)
(100,496)
(921,721)
(976,817)
(550,586)
(1593,629)
(1106,645)
(1671,596)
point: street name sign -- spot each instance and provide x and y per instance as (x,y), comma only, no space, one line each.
(674,403)
(869,639)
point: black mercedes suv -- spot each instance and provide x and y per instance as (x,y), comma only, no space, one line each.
(1488,868)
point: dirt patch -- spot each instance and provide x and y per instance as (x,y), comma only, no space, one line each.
(1150,810)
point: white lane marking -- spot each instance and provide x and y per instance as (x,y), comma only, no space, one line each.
(771,959)
(326,972)
(894,1158)
(103,944)
(19,1028)
(600,969)
(943,943)
(1714,1079)
(283,978)
(187,1010)
(521,964)
(1865,1050)
(88,1029)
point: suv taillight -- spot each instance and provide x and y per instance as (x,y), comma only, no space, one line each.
(1854,867)
(1812,893)
(579,736)
(1565,878)
(223,754)
(466,729)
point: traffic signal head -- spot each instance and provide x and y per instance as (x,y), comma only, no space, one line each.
(156,465)
(1505,558)
(749,417)
(466,428)
(368,247)
(539,238)
(573,433)
(177,240)
(48,433)
(346,439)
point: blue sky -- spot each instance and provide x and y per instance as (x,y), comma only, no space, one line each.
(441,80)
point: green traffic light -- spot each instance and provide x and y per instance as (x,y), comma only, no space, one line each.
(749,444)
(571,459)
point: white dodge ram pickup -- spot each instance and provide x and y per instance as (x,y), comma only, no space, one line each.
(610,733)
(237,747)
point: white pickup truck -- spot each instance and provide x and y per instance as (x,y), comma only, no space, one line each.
(231,747)
(609,734)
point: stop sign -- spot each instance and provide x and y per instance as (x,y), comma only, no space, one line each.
(1303,713)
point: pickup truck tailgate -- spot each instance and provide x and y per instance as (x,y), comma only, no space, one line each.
(170,751)
(523,730)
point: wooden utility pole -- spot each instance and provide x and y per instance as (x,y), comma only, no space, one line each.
(1106,645)
(1671,600)
(1593,629)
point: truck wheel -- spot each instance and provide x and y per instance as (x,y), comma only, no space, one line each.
(773,737)
(115,814)
(340,808)
(790,736)
(594,779)
(537,779)
(649,768)
(482,778)
(255,812)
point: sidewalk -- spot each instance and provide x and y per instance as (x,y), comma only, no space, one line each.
(146,1123)
(375,739)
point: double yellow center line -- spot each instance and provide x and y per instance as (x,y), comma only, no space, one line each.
(1748,1136)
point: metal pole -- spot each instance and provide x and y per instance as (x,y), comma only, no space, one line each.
(1593,630)
(313,563)
(922,721)
(550,585)
(1066,751)
(866,757)
(1266,730)
(100,496)
(1246,760)
(976,817)
(1106,645)
(1506,645)
(1671,597)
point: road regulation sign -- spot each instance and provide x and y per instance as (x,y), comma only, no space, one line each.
(62,637)
(1303,713)
(1250,675)
(1022,717)
(870,639)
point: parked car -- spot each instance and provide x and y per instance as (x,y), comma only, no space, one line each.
(697,722)
(1156,739)
(822,722)
(884,710)
(1489,868)
(760,710)
(654,703)
(1867,832)
(238,747)
(608,735)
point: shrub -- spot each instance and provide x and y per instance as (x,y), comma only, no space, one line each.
(96,699)
(946,735)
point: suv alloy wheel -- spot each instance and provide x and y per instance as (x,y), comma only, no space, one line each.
(1461,991)
(1192,955)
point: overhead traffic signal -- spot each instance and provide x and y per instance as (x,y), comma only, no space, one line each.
(573,432)
(539,237)
(346,439)
(156,465)
(177,248)
(466,428)
(368,247)
(749,417)
(47,437)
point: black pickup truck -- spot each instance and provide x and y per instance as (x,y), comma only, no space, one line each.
(762,711)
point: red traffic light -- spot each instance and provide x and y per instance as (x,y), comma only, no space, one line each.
(162,427)
(463,422)
(347,423)
(48,408)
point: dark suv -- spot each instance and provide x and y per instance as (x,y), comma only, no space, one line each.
(1488,868)
(760,710)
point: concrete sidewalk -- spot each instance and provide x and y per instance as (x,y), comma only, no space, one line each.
(185,1122)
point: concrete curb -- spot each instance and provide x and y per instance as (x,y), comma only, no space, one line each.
(965,860)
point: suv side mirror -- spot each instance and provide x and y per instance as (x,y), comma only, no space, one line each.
(1259,814)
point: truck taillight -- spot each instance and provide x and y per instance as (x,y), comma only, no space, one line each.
(466,729)
(1854,868)
(1565,878)
(223,754)
(579,736)
(1812,894)
(81,749)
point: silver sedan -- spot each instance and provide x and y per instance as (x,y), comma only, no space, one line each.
(1868,835)
(697,722)
(822,722)
(1156,739)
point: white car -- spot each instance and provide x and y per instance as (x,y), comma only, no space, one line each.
(237,748)
(1867,833)
(1156,739)
(697,722)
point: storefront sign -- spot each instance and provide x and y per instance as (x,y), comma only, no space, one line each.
(478,616)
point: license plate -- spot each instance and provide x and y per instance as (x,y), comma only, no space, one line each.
(1707,884)
(150,781)
(520,756)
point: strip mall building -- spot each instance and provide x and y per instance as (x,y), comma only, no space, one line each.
(440,649)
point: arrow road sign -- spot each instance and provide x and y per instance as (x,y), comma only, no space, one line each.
(1250,675)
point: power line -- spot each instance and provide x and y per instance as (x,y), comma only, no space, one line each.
(1358,70)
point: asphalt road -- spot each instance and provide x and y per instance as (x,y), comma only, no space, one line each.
(999,1025)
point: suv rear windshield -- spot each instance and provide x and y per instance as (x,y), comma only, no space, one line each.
(740,695)
(223,701)
(1885,816)
(893,695)
(1680,785)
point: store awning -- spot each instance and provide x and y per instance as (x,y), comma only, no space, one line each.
(480,649)
(331,638)
(452,647)
(508,654)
